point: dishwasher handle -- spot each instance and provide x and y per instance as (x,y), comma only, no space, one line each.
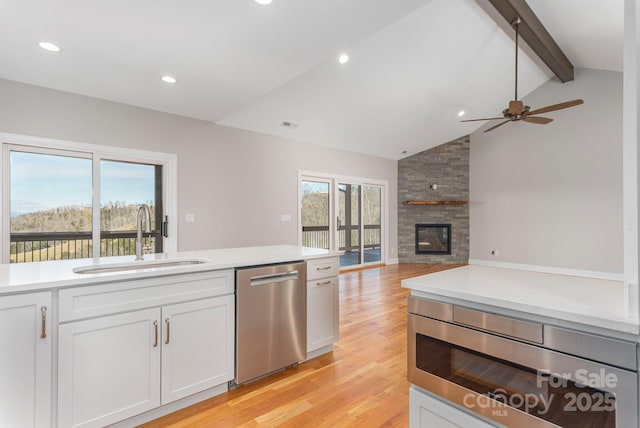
(274,278)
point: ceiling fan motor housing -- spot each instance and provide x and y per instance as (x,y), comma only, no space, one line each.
(516,108)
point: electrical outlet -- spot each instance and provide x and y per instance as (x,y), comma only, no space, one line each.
(190,218)
(285,218)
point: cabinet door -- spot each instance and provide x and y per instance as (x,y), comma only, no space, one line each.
(25,360)
(108,368)
(322,312)
(426,411)
(197,346)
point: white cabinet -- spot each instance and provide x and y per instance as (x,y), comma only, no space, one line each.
(108,368)
(197,347)
(426,411)
(113,367)
(322,303)
(25,360)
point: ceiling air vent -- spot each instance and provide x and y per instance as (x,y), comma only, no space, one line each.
(290,125)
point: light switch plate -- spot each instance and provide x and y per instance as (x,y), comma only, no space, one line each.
(190,218)
(285,218)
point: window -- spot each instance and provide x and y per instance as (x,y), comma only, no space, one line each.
(58,202)
(123,187)
(315,214)
(50,207)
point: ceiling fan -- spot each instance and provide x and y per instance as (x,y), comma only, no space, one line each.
(518,111)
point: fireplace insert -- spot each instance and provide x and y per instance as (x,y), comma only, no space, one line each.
(433,239)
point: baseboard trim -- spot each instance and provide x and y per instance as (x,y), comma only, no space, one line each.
(158,412)
(549,269)
(320,351)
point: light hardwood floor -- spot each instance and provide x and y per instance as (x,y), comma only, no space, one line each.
(362,383)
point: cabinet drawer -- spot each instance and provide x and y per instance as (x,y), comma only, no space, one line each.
(322,268)
(323,282)
(98,300)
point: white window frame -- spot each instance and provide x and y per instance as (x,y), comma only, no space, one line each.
(333,180)
(332,217)
(96,152)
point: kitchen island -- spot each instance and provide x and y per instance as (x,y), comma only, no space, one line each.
(595,304)
(94,342)
(506,338)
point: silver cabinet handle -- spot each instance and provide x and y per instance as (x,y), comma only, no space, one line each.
(166,321)
(323,283)
(323,268)
(155,327)
(43,332)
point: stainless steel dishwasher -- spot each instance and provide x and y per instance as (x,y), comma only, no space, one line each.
(271,318)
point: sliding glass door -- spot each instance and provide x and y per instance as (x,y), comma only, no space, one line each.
(359,224)
(349,196)
(372,224)
(344,215)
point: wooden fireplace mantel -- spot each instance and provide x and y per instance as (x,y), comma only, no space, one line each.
(424,202)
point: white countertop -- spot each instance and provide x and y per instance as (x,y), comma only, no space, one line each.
(21,277)
(589,301)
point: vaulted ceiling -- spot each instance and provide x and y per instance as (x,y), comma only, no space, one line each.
(413,64)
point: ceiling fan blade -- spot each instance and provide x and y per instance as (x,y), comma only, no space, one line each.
(554,107)
(476,120)
(494,127)
(538,120)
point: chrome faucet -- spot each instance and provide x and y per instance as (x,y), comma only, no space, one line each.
(142,211)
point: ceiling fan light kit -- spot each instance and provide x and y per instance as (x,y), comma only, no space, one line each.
(517,110)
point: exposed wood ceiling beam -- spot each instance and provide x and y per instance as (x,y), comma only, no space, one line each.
(537,37)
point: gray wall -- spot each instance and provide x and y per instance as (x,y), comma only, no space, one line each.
(447,166)
(551,195)
(237,183)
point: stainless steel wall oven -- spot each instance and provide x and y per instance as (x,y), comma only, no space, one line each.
(520,373)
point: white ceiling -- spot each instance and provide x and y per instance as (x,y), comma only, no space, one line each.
(414,63)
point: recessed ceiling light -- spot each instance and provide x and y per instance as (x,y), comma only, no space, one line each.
(461,113)
(169,79)
(343,59)
(263,2)
(49,47)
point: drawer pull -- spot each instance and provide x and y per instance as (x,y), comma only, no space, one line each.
(43,332)
(323,268)
(167,322)
(323,283)
(155,326)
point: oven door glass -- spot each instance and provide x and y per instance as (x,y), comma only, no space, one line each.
(545,396)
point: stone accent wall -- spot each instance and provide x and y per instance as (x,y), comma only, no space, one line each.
(447,166)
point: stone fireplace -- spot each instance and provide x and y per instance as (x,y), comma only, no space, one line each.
(438,174)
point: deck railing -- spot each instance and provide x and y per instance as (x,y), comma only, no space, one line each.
(318,237)
(34,247)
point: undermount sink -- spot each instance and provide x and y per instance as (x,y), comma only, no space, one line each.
(139,265)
